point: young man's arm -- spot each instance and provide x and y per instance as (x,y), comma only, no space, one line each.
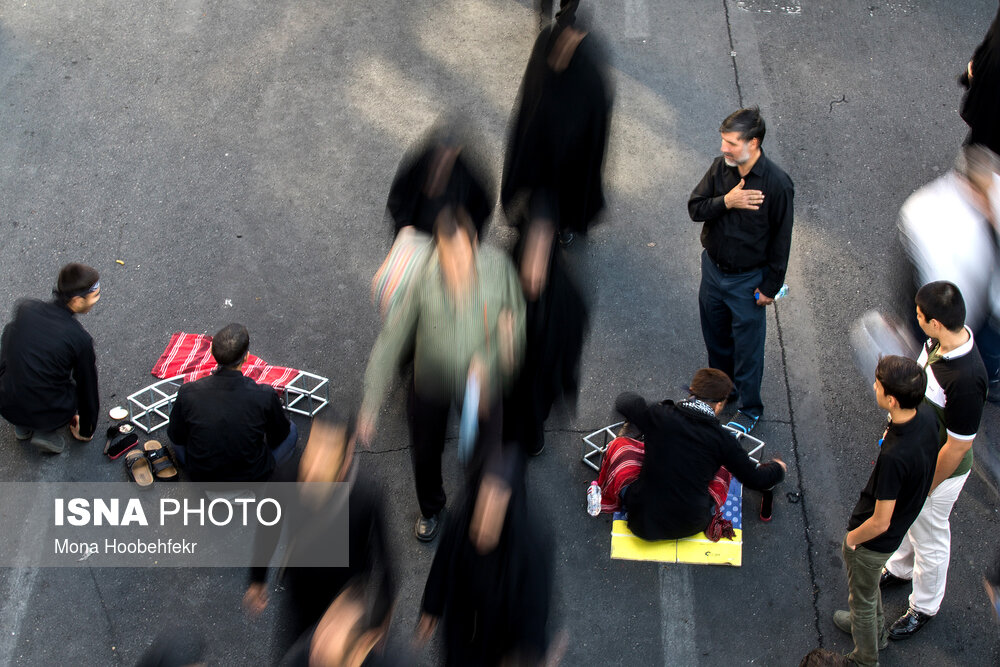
(949,457)
(874,526)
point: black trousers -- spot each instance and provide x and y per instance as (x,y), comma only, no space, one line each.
(734,326)
(428,422)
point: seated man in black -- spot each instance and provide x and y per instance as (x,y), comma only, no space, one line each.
(685,445)
(226,427)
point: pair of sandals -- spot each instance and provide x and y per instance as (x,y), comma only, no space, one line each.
(153,461)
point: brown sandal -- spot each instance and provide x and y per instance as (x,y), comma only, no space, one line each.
(138,468)
(161,461)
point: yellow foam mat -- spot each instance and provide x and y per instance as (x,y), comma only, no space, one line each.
(697,549)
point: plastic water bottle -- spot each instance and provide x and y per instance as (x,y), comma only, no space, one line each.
(782,292)
(593,499)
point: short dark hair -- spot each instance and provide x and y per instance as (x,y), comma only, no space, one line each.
(942,301)
(230,344)
(75,280)
(711,384)
(903,379)
(748,122)
(820,657)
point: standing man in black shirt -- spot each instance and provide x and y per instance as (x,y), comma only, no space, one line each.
(957,385)
(890,501)
(48,369)
(745,201)
(226,427)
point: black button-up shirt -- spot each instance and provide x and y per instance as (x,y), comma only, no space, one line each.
(228,425)
(740,240)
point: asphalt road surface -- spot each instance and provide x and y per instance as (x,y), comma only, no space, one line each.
(229,161)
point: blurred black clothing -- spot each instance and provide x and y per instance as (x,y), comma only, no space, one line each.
(981,106)
(389,656)
(312,589)
(228,425)
(740,240)
(684,449)
(411,204)
(495,605)
(559,132)
(48,369)
(555,327)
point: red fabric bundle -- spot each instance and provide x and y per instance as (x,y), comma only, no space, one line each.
(718,488)
(190,355)
(621,465)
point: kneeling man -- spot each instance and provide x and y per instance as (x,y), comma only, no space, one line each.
(684,448)
(226,427)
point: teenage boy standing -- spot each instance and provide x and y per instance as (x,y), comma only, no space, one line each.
(890,501)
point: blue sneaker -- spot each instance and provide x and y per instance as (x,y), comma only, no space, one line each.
(743,422)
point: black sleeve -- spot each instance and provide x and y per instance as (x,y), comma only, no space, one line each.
(277,423)
(403,193)
(705,204)
(963,410)
(633,407)
(177,429)
(890,476)
(478,199)
(738,462)
(781,213)
(88,400)
(386,594)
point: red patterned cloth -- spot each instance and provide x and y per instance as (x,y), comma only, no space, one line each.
(620,467)
(190,355)
(718,488)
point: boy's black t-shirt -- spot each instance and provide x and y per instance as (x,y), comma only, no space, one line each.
(903,472)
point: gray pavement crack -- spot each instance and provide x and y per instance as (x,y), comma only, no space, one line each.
(107,616)
(732,53)
(801,495)
(842,100)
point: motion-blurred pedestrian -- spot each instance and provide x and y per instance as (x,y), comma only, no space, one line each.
(314,512)
(948,229)
(556,322)
(746,204)
(442,170)
(981,105)
(48,367)
(463,319)
(559,131)
(491,579)
(347,635)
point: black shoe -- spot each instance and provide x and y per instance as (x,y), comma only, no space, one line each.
(889,580)
(993,396)
(908,624)
(427,528)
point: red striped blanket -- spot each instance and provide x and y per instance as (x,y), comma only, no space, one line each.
(190,355)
